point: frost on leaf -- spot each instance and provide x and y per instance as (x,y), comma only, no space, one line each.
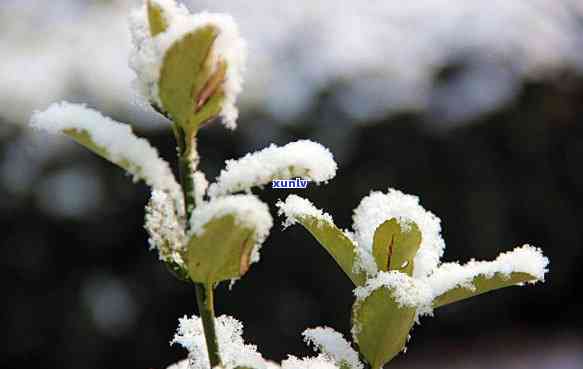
(296,208)
(379,207)
(405,290)
(334,346)
(225,237)
(453,282)
(320,362)
(189,66)
(232,349)
(337,243)
(111,140)
(165,223)
(304,159)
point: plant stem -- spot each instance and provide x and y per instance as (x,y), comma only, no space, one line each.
(204,299)
(187,163)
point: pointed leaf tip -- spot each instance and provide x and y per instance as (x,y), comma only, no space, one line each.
(452,282)
(321,225)
(481,284)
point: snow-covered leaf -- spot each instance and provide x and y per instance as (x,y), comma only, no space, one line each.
(384,313)
(334,346)
(185,95)
(165,224)
(111,140)
(377,207)
(452,282)
(304,159)
(319,362)
(395,246)
(234,352)
(482,284)
(322,227)
(222,252)
(189,66)
(225,238)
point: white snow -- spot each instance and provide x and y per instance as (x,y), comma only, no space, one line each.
(200,185)
(304,158)
(320,362)
(165,224)
(149,52)
(116,138)
(296,207)
(232,349)
(271,365)
(378,207)
(333,345)
(407,291)
(248,210)
(524,259)
(183,364)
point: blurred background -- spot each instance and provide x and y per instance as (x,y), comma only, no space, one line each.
(473,106)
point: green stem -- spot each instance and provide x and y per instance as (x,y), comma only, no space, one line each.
(204,299)
(187,163)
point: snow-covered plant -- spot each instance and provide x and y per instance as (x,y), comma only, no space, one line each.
(393,259)
(189,69)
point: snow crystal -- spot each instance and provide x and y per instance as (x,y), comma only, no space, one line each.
(407,291)
(248,211)
(333,345)
(116,138)
(378,207)
(320,362)
(304,158)
(180,365)
(165,224)
(296,207)
(200,185)
(148,55)
(524,259)
(232,349)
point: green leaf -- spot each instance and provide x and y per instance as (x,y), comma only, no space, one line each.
(482,284)
(190,87)
(221,253)
(381,326)
(340,247)
(156,19)
(394,248)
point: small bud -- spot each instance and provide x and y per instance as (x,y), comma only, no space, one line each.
(395,246)
(189,66)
